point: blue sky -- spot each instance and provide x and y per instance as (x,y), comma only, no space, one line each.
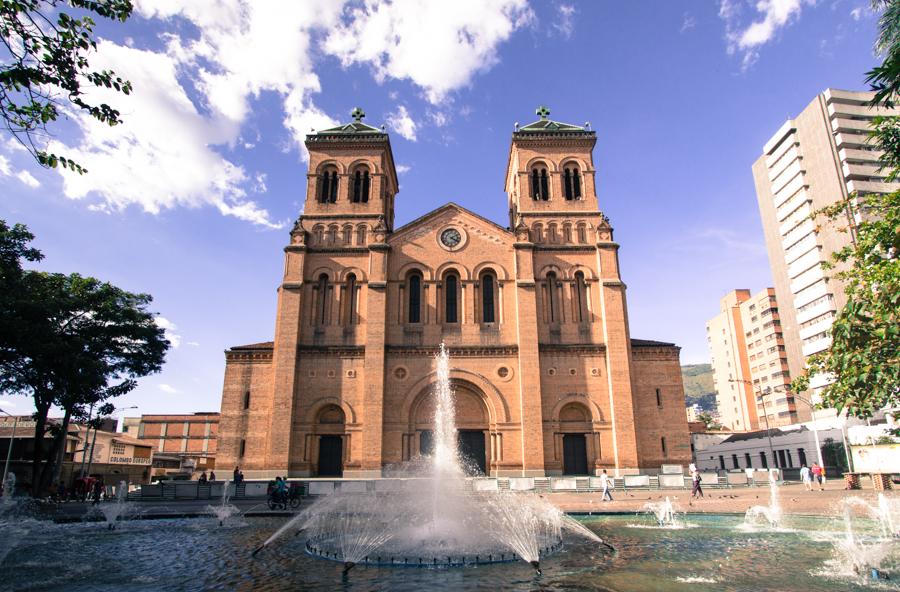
(190,199)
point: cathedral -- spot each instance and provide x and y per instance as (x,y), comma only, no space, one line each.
(547,378)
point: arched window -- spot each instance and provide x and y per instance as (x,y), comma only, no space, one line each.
(488,297)
(540,183)
(361,185)
(582,234)
(580,298)
(328,185)
(319,234)
(361,235)
(347,234)
(551,233)
(414,296)
(567,233)
(552,298)
(572,183)
(350,315)
(451,298)
(332,234)
(537,233)
(322,300)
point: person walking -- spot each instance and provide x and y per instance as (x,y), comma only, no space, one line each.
(604,483)
(817,471)
(696,490)
(806,477)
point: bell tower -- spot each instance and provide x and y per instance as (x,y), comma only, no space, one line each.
(351,179)
(550,171)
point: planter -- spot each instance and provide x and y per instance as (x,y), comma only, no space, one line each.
(881,481)
(851,480)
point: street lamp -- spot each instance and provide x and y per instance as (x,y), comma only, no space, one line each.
(759,398)
(812,414)
(11,442)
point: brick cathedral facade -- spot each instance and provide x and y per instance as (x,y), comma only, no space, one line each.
(548,380)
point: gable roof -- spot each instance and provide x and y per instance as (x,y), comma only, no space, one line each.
(444,208)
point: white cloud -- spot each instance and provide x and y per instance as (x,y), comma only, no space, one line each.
(402,123)
(688,22)
(169,327)
(772,15)
(259,184)
(192,96)
(193,343)
(439,118)
(167,388)
(6,170)
(565,20)
(7,403)
(402,169)
(438,46)
(28,179)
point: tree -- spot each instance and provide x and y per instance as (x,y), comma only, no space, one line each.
(863,359)
(75,341)
(709,422)
(44,68)
(885,79)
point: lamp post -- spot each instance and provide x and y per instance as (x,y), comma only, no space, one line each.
(759,398)
(11,442)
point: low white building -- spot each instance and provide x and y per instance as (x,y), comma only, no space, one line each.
(786,448)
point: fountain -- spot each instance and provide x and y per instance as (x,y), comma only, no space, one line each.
(771,514)
(860,553)
(433,519)
(224,510)
(9,491)
(664,512)
(116,510)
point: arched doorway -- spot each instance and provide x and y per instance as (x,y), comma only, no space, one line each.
(574,430)
(472,424)
(330,434)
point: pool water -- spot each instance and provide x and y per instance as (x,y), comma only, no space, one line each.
(710,553)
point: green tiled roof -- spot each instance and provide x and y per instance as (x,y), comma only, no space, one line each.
(547,125)
(354,127)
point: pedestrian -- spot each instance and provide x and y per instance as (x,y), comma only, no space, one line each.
(806,477)
(604,483)
(237,472)
(697,490)
(240,477)
(97,492)
(61,492)
(203,479)
(212,475)
(817,471)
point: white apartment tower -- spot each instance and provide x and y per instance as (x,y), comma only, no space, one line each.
(814,160)
(725,336)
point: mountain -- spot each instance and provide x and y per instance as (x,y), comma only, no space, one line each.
(698,386)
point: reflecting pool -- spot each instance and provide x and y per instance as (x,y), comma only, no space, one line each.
(712,553)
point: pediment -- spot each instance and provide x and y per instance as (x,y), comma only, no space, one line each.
(475,226)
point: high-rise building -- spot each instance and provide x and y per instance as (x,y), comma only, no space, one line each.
(767,359)
(725,336)
(821,156)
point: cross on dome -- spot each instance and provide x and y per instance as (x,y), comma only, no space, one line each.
(543,111)
(357,114)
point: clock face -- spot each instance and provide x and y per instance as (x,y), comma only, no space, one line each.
(450,238)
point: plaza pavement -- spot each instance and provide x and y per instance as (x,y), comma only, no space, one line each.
(794,500)
(793,496)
